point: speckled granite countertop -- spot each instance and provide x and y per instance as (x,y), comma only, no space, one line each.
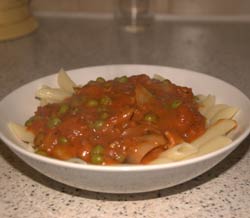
(218,49)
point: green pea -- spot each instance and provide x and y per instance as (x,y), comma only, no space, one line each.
(150,117)
(40,152)
(97,124)
(166,106)
(120,158)
(196,98)
(166,82)
(29,121)
(63,140)
(122,79)
(97,159)
(107,85)
(83,98)
(92,103)
(176,104)
(38,140)
(100,80)
(98,149)
(105,100)
(53,122)
(91,82)
(102,108)
(104,115)
(77,101)
(75,110)
(63,109)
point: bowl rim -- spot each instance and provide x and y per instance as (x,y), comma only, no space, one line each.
(126,168)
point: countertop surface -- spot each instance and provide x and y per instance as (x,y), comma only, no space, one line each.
(220,49)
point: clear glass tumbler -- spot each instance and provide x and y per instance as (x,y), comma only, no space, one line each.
(133,15)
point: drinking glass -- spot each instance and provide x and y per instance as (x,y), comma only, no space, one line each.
(133,15)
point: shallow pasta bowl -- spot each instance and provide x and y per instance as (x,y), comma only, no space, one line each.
(19,105)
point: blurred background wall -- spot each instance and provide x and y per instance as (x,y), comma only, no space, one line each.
(171,7)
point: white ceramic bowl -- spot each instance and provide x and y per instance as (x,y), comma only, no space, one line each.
(20,104)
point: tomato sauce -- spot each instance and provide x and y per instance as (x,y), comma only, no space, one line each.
(124,120)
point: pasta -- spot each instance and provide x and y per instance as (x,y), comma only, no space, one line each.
(20,132)
(212,145)
(213,139)
(64,82)
(51,95)
(226,113)
(126,120)
(220,123)
(207,104)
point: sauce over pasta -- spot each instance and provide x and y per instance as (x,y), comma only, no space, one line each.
(124,120)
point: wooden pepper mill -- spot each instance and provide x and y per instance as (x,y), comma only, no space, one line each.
(15,19)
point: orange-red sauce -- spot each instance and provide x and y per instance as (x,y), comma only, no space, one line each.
(104,121)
